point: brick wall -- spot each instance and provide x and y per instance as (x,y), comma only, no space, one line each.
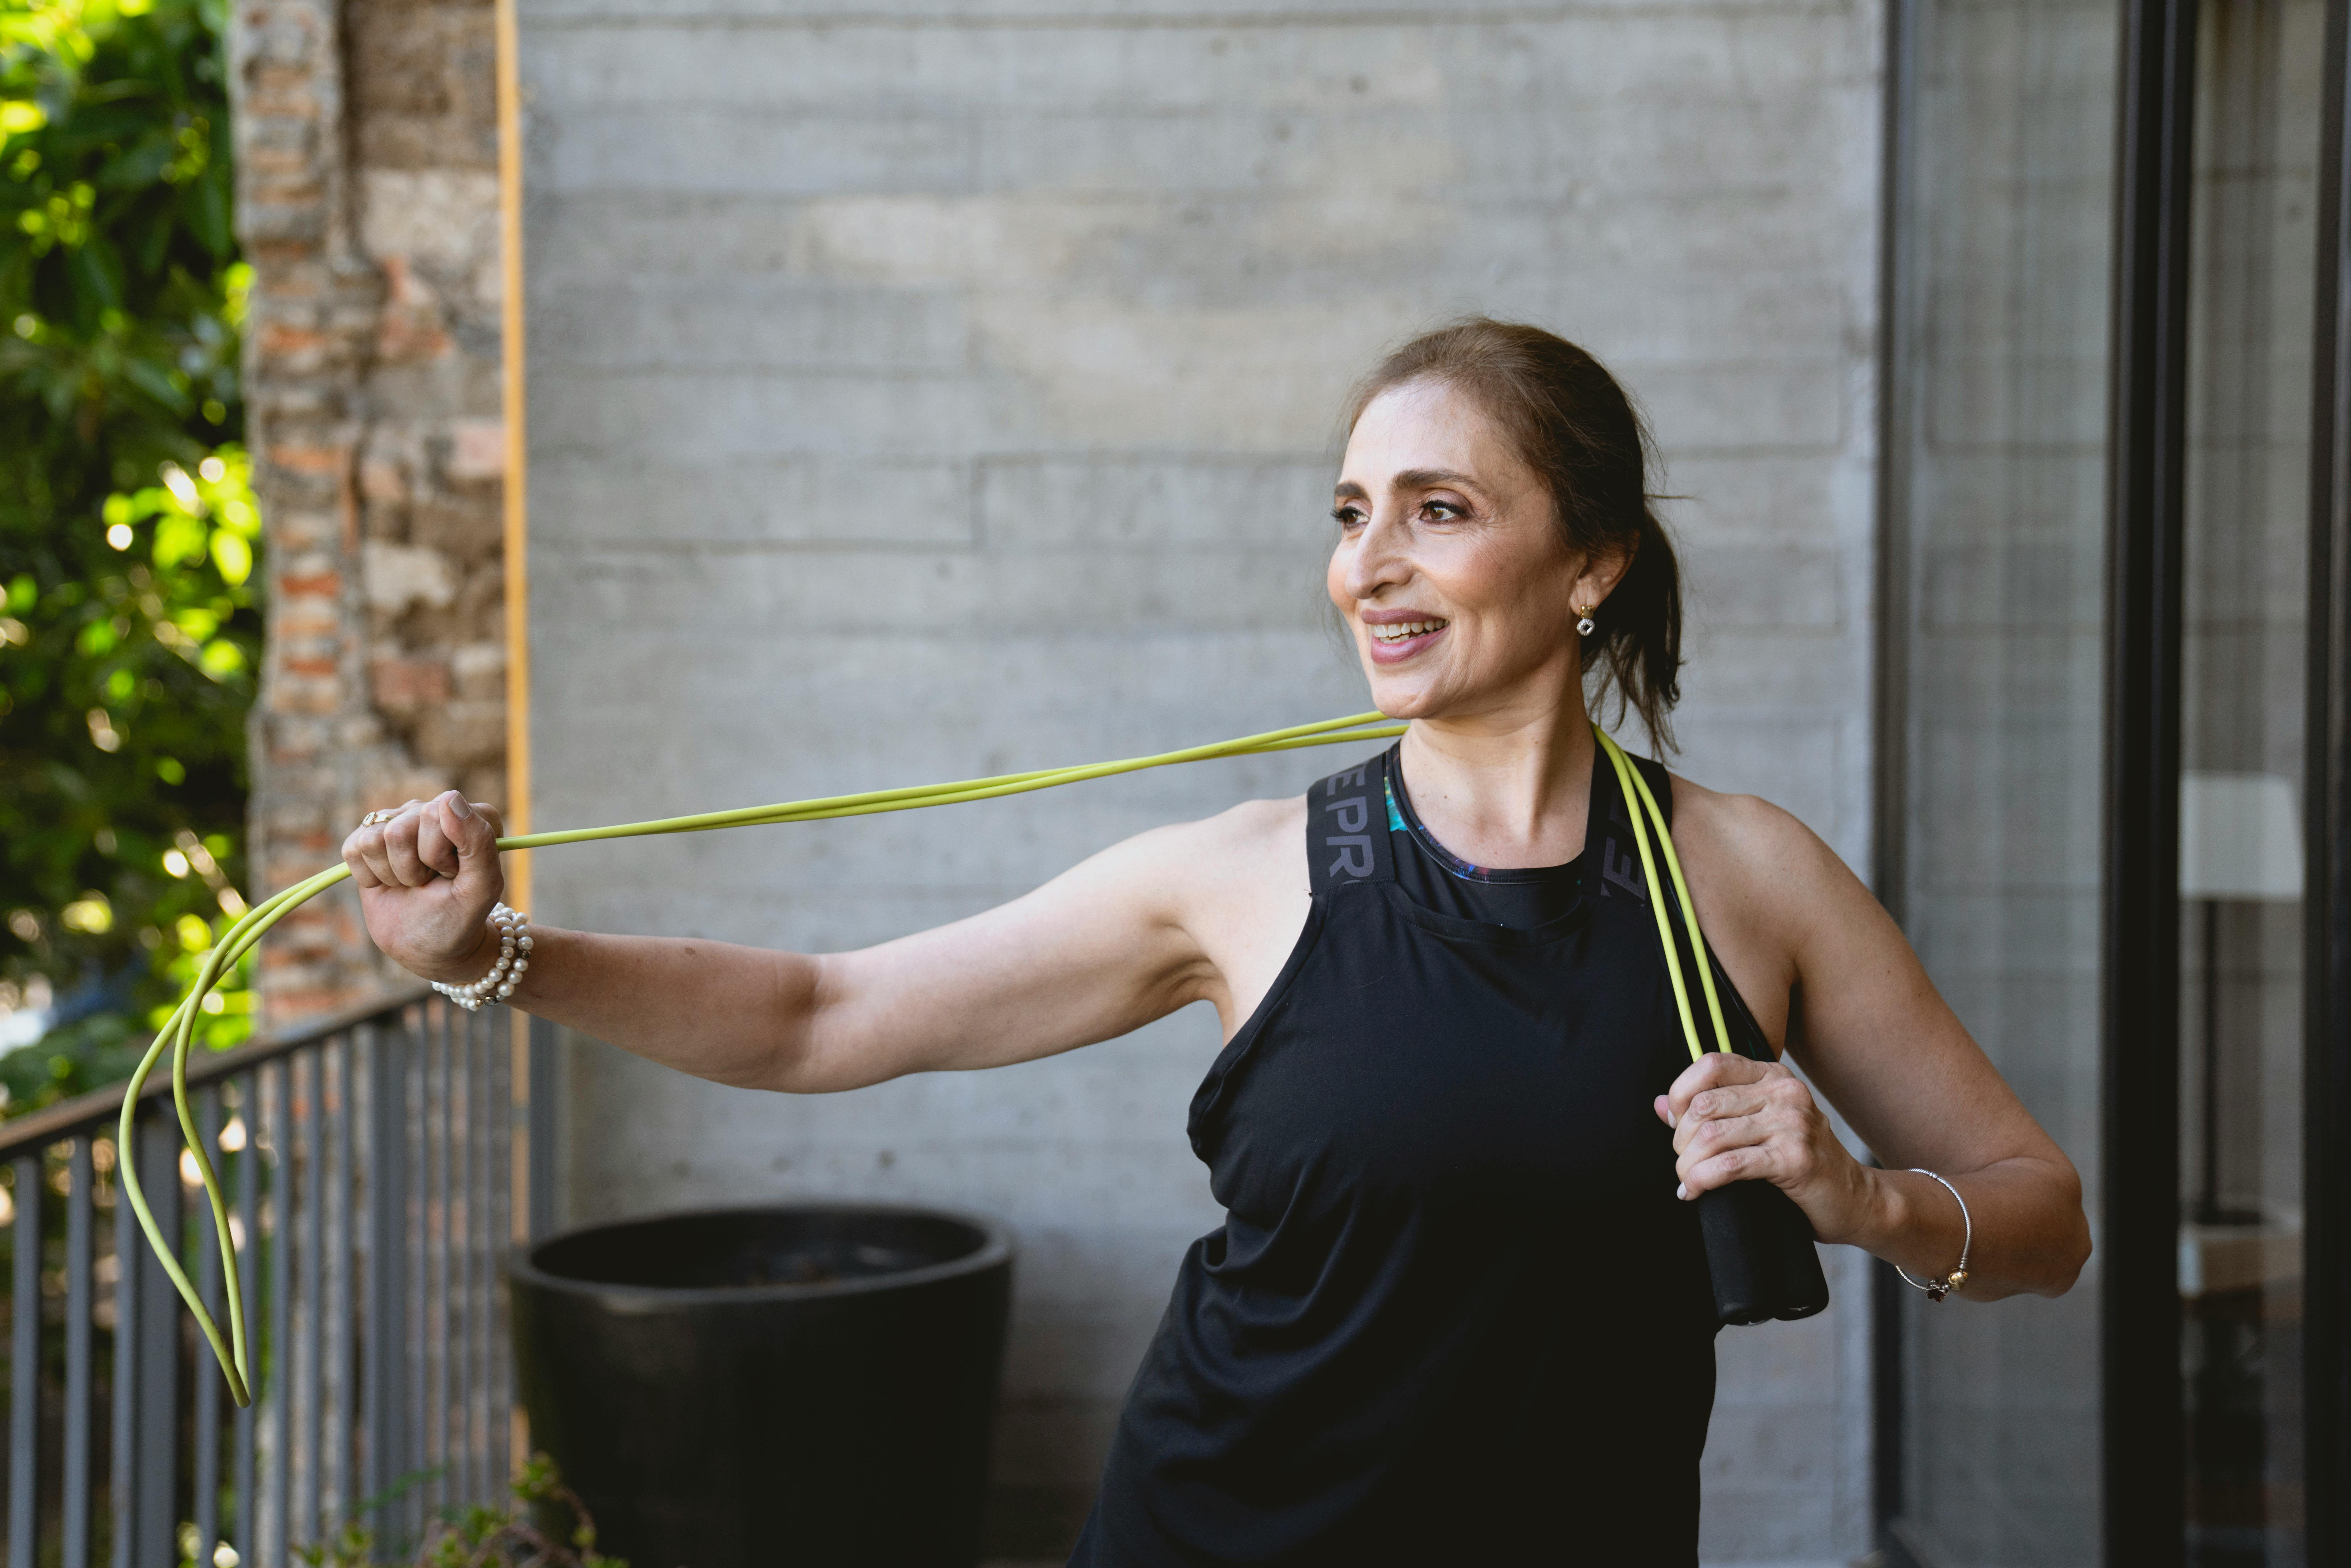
(366,140)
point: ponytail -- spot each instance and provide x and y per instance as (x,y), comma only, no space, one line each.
(1635,651)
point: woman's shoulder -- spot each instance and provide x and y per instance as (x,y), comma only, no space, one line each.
(1748,827)
(1751,853)
(1768,891)
(1254,840)
(1253,834)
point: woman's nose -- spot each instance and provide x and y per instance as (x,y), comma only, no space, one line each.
(1379,559)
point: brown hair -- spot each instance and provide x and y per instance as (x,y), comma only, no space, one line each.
(1572,425)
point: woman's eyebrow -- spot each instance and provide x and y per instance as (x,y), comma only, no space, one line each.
(1348,490)
(1431,478)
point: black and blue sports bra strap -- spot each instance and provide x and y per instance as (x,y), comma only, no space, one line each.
(1347,823)
(1612,856)
(1347,827)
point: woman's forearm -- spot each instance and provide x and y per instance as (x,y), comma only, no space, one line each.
(2030,1233)
(1099,950)
(740,1016)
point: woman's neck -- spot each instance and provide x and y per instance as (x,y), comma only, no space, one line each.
(1508,789)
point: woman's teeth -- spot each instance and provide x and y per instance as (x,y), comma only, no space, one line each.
(1403,629)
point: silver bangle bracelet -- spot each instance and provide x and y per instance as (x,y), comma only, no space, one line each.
(512,928)
(1937,1289)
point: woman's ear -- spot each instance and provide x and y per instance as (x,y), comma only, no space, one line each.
(1602,570)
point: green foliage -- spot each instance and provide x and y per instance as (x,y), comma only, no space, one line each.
(129,631)
(102,1047)
(482,1536)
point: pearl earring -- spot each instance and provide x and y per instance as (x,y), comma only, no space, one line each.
(1583,619)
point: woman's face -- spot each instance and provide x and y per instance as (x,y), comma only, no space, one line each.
(1450,565)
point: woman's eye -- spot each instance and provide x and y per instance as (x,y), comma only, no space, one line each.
(1440,511)
(1347,517)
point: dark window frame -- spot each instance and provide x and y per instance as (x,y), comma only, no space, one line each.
(2326,1036)
(2140,1315)
(1889,717)
(2140,1308)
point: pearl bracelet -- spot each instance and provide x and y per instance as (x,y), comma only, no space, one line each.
(514,957)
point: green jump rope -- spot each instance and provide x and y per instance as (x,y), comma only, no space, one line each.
(178,1032)
(1760,1254)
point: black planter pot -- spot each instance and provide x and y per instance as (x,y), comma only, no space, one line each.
(803,1384)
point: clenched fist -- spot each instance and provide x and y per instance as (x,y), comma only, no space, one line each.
(1737,1120)
(427,880)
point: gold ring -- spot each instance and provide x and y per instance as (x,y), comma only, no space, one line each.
(378,818)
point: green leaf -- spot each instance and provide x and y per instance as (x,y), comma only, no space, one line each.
(233,556)
(207,208)
(159,382)
(179,540)
(95,268)
(121,305)
(139,167)
(152,228)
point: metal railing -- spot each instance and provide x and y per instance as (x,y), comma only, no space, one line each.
(371,1163)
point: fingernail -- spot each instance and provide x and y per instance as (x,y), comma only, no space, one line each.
(461,808)
(1681,1189)
(1672,1120)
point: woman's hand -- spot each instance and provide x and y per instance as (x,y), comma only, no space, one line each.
(427,880)
(1739,1120)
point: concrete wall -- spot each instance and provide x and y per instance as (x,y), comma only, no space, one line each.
(921,390)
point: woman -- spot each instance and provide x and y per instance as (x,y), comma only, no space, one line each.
(1459,1308)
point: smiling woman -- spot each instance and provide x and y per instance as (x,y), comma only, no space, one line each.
(1580,448)
(1460,1308)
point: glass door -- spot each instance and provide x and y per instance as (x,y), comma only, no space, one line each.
(2114,756)
(1994,537)
(2244,655)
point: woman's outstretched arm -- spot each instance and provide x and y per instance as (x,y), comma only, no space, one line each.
(1097,951)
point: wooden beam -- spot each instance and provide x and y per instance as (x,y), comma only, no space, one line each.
(516,805)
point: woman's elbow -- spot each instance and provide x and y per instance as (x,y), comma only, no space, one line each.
(822,1033)
(794,1068)
(2070,1251)
(792,1046)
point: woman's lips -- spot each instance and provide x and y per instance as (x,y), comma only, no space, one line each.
(1392,649)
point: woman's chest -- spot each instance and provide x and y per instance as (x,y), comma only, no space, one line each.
(1394,1066)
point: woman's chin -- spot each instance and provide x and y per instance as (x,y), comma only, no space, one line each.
(1401,695)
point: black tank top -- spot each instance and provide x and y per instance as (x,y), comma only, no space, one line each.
(1456,1314)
